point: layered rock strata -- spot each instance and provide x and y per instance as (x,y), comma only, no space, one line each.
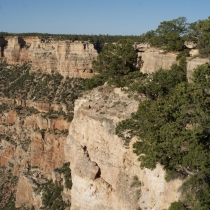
(73,59)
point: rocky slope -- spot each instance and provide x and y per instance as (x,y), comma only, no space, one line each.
(32,146)
(37,139)
(105,174)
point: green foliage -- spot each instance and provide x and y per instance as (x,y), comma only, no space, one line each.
(201,75)
(173,127)
(114,63)
(168,35)
(52,198)
(10,206)
(171,35)
(196,190)
(67,174)
(203,28)
(160,83)
(199,32)
(136,182)
(3,107)
(20,82)
(177,206)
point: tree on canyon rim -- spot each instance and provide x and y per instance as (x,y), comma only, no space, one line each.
(116,61)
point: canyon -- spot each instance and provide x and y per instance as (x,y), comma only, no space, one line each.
(37,142)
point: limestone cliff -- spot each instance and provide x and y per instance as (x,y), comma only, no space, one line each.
(105,174)
(73,59)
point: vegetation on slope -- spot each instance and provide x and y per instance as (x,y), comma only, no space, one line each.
(114,64)
(172,123)
(52,192)
(172,126)
(21,83)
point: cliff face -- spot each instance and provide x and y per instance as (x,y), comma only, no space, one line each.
(73,59)
(34,142)
(194,63)
(105,174)
(152,59)
(32,146)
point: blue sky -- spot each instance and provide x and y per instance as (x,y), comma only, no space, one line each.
(113,17)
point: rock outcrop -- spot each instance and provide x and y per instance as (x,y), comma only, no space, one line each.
(73,59)
(34,142)
(105,174)
(152,59)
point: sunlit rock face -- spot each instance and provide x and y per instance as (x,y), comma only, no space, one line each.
(31,147)
(105,174)
(73,59)
(152,59)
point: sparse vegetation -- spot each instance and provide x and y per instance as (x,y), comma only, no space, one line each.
(66,171)
(52,198)
(19,82)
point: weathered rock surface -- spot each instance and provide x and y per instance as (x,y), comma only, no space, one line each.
(73,59)
(25,195)
(152,59)
(31,147)
(103,170)
(106,175)
(194,63)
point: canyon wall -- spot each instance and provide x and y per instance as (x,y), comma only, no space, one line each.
(105,174)
(73,59)
(31,148)
(151,59)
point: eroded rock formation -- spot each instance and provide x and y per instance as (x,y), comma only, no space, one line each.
(32,146)
(105,174)
(73,59)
